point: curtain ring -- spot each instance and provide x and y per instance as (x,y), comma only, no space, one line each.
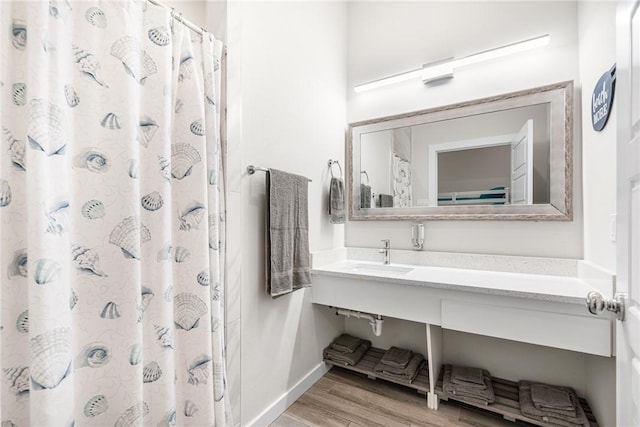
(175,17)
(331,163)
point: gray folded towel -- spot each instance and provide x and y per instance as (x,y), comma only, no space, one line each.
(365,196)
(407,378)
(471,377)
(407,374)
(545,396)
(396,357)
(346,343)
(484,396)
(386,200)
(336,201)
(346,358)
(551,416)
(287,233)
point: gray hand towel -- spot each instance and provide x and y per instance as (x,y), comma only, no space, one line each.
(553,417)
(386,200)
(545,396)
(408,374)
(365,196)
(471,377)
(346,358)
(396,357)
(287,233)
(346,343)
(336,201)
(485,395)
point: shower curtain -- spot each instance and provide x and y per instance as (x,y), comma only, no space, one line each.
(401,171)
(111,218)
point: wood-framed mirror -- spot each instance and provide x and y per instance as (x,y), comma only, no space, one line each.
(507,157)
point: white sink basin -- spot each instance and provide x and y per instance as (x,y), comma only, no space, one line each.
(362,268)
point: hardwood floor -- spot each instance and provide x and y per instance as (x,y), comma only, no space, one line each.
(347,399)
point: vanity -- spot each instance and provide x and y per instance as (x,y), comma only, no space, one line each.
(508,157)
(536,301)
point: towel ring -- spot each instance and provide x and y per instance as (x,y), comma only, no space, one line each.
(365,174)
(331,163)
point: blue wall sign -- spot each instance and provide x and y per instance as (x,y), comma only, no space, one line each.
(602,99)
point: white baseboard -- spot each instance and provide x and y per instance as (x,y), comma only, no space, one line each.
(276,409)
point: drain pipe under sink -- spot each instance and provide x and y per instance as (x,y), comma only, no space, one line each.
(374,321)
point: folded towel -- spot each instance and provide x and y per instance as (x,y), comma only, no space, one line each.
(386,200)
(407,378)
(408,374)
(365,196)
(336,201)
(396,357)
(346,343)
(346,358)
(287,233)
(484,396)
(545,396)
(551,416)
(471,377)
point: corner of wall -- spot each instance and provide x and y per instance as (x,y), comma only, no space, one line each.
(225,20)
(286,111)
(600,377)
(597,53)
(273,411)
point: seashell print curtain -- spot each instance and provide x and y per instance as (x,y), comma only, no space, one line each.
(111,218)
(401,182)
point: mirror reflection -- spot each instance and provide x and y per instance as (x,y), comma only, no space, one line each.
(507,157)
(495,158)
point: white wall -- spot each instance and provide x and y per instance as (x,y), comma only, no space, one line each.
(395,332)
(516,361)
(477,169)
(375,159)
(217,18)
(287,109)
(193,10)
(390,37)
(208,14)
(597,54)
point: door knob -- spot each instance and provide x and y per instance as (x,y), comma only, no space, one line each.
(596,303)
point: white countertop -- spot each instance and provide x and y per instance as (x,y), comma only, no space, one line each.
(522,285)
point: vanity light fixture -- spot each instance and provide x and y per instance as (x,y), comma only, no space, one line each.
(444,69)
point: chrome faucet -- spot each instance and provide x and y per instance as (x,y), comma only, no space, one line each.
(386,251)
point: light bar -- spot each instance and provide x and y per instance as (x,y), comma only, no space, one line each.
(444,69)
(389,80)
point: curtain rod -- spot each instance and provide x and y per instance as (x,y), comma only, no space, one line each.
(178,17)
